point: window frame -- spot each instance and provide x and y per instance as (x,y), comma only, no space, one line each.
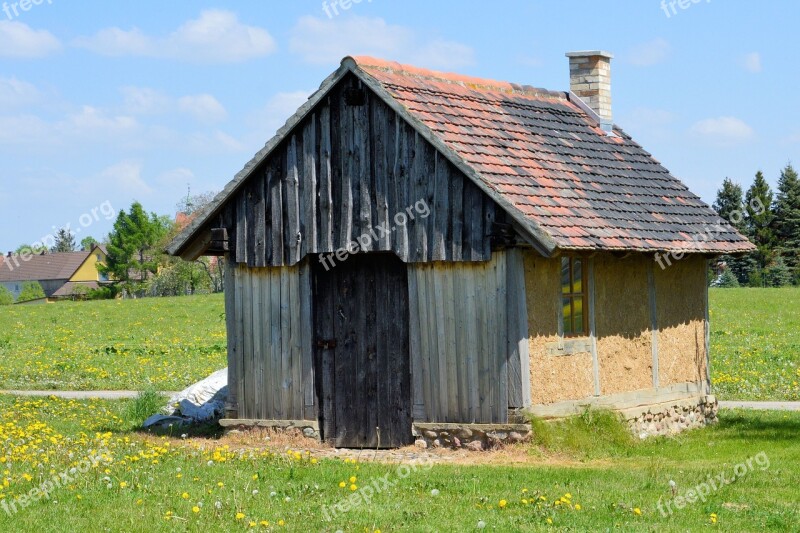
(572,295)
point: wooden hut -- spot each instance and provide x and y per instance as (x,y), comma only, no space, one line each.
(421,253)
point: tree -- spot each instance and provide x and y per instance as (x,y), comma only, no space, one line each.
(88,243)
(31,290)
(725,280)
(65,241)
(759,219)
(787,217)
(6,298)
(194,203)
(778,274)
(29,249)
(730,206)
(132,245)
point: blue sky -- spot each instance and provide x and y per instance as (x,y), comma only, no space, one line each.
(102,103)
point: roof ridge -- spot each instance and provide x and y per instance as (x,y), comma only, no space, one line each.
(471,82)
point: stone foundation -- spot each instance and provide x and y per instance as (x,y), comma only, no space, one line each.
(672,417)
(473,437)
(307,428)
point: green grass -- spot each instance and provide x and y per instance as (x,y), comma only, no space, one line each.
(142,488)
(161,343)
(755,343)
(170,343)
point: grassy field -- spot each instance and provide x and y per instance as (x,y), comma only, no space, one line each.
(755,343)
(147,483)
(165,343)
(169,343)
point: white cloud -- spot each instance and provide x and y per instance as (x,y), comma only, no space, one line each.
(723,130)
(752,62)
(217,36)
(127,176)
(16,93)
(21,41)
(144,100)
(177,176)
(203,107)
(649,53)
(325,42)
(91,121)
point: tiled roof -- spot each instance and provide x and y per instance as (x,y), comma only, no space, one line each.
(69,288)
(42,267)
(548,158)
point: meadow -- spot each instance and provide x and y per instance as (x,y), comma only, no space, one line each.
(585,477)
(161,343)
(170,343)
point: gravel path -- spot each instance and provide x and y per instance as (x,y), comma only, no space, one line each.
(766,406)
(78,395)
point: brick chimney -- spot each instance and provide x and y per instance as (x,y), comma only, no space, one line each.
(590,80)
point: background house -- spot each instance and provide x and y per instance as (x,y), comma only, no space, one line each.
(421,253)
(61,275)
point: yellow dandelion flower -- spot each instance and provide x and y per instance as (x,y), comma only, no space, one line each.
(353,487)
(281,523)
(195,509)
(185,495)
(353,479)
(342,484)
(637,511)
(239,516)
(577,507)
(502,504)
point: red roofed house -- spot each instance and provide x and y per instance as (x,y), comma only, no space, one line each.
(421,254)
(62,275)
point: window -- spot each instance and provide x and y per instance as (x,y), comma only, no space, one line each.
(573,296)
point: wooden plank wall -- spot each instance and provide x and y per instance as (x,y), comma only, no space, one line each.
(346,170)
(466,340)
(270,353)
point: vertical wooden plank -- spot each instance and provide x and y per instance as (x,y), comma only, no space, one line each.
(258,354)
(403,161)
(458,306)
(592,328)
(295,343)
(448,346)
(325,183)
(428,376)
(241,226)
(457,216)
(375,280)
(473,223)
(438,303)
(651,292)
(489,215)
(484,345)
(347,155)
(286,345)
(324,326)
(380,144)
(361,141)
(276,328)
(268,382)
(306,328)
(414,336)
(231,321)
(247,314)
(440,210)
(384,378)
(276,216)
(310,243)
(519,380)
(293,202)
(423,183)
(501,337)
(470,326)
(259,221)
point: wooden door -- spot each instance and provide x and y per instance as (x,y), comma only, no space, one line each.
(362,356)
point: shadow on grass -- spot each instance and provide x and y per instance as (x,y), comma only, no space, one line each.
(760,425)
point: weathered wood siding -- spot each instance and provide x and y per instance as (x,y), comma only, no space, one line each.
(347,170)
(468,340)
(270,369)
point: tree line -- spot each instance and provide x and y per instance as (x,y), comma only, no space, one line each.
(771,220)
(136,262)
